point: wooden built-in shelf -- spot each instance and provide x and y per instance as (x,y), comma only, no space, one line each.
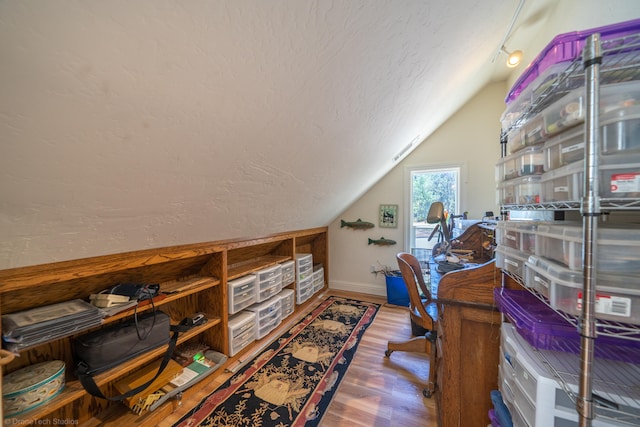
(193,278)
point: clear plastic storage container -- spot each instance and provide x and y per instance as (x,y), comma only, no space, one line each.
(518,235)
(619,248)
(241,293)
(563,184)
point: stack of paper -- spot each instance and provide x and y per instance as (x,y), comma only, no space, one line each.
(38,325)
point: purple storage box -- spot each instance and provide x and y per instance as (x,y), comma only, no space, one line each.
(545,329)
(565,48)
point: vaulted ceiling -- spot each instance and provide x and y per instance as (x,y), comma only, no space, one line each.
(127,125)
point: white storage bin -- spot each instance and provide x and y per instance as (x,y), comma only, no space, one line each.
(536,276)
(533,131)
(304,266)
(288,272)
(620,176)
(564,184)
(242,331)
(619,248)
(507,168)
(304,289)
(287,302)
(563,149)
(241,293)
(318,279)
(528,189)
(617,297)
(507,193)
(511,260)
(269,273)
(268,316)
(621,130)
(540,401)
(515,141)
(566,112)
(519,235)
(269,287)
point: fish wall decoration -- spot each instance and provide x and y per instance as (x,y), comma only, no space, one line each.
(382,242)
(358,225)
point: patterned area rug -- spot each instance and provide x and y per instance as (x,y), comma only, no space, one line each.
(292,382)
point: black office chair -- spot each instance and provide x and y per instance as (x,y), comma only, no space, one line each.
(422,312)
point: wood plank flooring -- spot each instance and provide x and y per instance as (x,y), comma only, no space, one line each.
(376,391)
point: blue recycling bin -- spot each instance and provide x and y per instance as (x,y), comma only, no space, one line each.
(397,293)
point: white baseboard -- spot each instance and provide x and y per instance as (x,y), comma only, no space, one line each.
(363,288)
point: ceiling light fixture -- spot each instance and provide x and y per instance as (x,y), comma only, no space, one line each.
(513,58)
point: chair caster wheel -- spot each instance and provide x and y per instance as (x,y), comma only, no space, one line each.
(388,353)
(426,393)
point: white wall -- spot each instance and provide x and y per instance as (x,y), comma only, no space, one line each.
(471,138)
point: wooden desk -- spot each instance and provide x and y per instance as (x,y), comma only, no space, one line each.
(468,344)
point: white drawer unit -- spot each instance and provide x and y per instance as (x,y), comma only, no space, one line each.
(304,289)
(538,399)
(242,331)
(318,279)
(268,316)
(288,270)
(287,302)
(269,282)
(269,272)
(241,293)
(304,266)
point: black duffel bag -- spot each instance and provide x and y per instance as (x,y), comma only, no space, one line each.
(113,345)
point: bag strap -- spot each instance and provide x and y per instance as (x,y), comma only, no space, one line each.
(90,385)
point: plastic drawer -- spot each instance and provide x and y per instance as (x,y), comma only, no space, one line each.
(621,130)
(268,273)
(268,325)
(564,184)
(265,309)
(515,141)
(269,287)
(304,271)
(304,290)
(507,193)
(241,293)
(288,272)
(528,189)
(518,235)
(567,112)
(511,260)
(539,399)
(620,176)
(564,149)
(241,331)
(533,131)
(287,302)
(563,242)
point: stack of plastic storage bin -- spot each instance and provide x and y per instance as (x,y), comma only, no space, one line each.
(530,390)
(304,277)
(542,168)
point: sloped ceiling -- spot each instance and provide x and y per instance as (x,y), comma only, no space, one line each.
(127,125)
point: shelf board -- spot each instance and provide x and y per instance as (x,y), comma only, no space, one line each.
(73,390)
(240,269)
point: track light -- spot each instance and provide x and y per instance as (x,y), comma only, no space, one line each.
(513,58)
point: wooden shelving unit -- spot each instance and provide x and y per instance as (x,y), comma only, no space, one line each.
(192,279)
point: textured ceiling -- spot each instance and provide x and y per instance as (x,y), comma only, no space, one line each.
(127,125)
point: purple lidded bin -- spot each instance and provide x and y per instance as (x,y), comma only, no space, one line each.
(565,48)
(545,329)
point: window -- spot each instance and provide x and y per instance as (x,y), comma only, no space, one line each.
(427,185)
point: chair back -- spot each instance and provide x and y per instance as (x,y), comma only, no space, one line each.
(413,278)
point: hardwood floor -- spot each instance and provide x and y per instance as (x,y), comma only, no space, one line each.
(376,391)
